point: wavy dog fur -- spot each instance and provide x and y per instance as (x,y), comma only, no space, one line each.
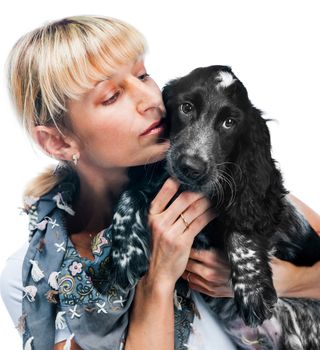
(220,146)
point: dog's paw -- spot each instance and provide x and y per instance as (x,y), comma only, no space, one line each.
(130,249)
(254,304)
(127,267)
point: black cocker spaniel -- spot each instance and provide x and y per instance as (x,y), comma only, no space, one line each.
(220,146)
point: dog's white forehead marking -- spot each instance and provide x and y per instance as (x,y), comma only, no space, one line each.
(225,79)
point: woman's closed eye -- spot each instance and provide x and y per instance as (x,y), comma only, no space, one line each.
(114,97)
(144,76)
(111,99)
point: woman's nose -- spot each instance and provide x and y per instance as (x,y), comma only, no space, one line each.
(147,96)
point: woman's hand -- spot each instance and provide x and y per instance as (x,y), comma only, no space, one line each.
(172,238)
(208,272)
(173,235)
(285,277)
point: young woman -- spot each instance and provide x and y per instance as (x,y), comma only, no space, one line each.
(84,95)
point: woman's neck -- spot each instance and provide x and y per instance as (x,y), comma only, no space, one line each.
(97,196)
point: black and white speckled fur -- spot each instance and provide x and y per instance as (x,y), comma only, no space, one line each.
(220,146)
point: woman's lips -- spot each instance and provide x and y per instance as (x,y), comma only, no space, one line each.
(155,128)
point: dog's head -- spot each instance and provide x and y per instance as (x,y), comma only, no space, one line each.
(213,128)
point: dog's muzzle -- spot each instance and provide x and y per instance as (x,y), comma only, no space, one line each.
(192,168)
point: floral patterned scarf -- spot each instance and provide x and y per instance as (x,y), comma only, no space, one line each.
(62,289)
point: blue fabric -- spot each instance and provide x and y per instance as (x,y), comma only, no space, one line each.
(80,279)
(40,314)
(97,320)
(94,311)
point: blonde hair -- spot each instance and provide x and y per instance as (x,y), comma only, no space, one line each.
(61,61)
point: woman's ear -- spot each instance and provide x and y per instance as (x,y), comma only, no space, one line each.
(58,146)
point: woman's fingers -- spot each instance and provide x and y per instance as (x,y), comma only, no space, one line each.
(218,292)
(195,217)
(164,196)
(190,231)
(196,282)
(173,233)
(181,213)
(187,203)
(209,273)
(211,258)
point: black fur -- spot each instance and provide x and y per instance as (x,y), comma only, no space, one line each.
(220,146)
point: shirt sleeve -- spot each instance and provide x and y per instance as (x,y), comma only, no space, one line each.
(207,332)
(11,289)
(11,284)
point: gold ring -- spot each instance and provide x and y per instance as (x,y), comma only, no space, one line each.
(184,221)
(188,276)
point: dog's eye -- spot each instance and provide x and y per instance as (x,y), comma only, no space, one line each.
(186,108)
(228,123)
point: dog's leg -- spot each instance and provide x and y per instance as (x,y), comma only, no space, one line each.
(130,240)
(251,277)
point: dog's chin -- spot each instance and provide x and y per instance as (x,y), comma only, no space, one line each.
(199,185)
(189,185)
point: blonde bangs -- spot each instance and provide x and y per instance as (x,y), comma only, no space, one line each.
(91,52)
(64,59)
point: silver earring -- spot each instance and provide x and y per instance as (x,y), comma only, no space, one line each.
(75,158)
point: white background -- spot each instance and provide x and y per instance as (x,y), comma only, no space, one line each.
(272,46)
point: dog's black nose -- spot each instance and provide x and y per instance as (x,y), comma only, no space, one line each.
(192,167)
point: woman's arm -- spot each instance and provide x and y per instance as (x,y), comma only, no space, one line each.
(151,323)
(312,217)
(294,281)
(208,271)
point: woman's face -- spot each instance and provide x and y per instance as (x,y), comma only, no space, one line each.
(118,122)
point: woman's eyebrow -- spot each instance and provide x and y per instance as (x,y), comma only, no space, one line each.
(101,86)
(96,90)
(102,81)
(136,66)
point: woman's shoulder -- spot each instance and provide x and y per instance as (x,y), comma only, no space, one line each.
(19,254)
(11,283)
(13,267)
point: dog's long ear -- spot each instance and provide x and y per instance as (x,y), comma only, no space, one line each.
(259,182)
(254,156)
(167,95)
(254,150)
